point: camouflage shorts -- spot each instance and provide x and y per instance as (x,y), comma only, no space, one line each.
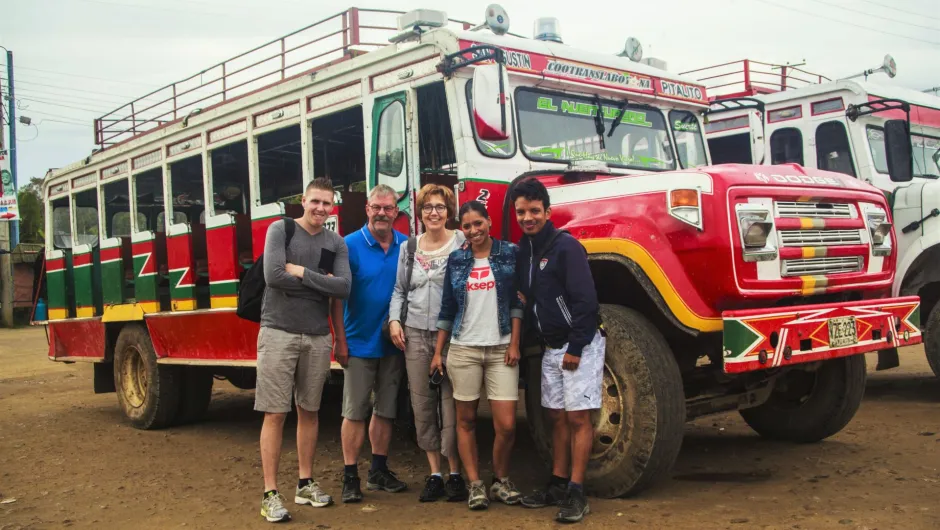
(574,389)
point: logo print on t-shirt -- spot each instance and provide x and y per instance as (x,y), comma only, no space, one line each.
(478,280)
(543,263)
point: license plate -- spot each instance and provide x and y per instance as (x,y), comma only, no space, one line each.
(842,332)
(330,223)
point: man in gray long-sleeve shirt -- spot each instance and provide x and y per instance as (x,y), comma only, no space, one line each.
(294,343)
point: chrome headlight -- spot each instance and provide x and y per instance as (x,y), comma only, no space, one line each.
(880,231)
(756,226)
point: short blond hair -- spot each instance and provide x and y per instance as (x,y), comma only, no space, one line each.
(430,190)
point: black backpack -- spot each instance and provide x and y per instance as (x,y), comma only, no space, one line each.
(251,290)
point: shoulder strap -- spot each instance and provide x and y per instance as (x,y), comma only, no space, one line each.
(289,226)
(410,251)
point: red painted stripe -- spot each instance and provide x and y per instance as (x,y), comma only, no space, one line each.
(81,259)
(55,265)
(910,301)
(831,252)
(108,254)
(793,223)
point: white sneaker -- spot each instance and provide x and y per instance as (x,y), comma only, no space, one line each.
(312,494)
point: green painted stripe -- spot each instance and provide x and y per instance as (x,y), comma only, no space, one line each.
(55,290)
(224,289)
(83,287)
(737,337)
(488,181)
(112,282)
(915,317)
(182,292)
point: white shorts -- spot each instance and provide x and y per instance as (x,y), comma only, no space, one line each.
(574,389)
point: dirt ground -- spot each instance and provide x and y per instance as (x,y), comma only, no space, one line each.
(69,460)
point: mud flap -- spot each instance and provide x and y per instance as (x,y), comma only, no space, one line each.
(104,378)
(888,359)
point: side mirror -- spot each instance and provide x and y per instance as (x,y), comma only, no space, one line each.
(898,150)
(491,102)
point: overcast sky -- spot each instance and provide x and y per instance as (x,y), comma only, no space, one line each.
(125,48)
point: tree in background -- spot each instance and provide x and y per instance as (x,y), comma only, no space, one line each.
(32,212)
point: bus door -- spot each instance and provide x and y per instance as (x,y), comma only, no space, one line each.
(393,151)
(59,283)
(186,235)
(148,241)
(86,255)
(228,226)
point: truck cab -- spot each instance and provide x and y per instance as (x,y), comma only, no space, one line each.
(883,135)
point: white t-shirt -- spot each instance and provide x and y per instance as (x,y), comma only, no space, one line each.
(434,262)
(480,323)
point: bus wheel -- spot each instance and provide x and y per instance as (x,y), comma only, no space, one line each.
(932,339)
(639,427)
(195,394)
(148,393)
(809,406)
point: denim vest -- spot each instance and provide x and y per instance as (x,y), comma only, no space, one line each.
(459,264)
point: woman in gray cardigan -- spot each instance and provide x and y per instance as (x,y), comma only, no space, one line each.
(416,334)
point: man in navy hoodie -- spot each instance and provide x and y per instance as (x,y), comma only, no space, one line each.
(561,307)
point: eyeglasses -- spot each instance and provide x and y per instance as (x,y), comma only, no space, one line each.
(439,208)
(376,208)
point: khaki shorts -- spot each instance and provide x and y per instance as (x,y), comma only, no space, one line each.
(470,366)
(291,363)
(419,349)
(362,376)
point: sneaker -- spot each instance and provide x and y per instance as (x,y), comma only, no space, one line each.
(553,495)
(573,508)
(312,494)
(385,480)
(506,492)
(477,498)
(433,489)
(351,491)
(272,508)
(456,489)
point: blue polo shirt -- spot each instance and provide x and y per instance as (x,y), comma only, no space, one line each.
(373,280)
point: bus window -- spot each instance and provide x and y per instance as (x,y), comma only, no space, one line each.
(435,138)
(339,154)
(187,190)
(786,146)
(86,217)
(230,188)
(832,148)
(390,149)
(734,149)
(876,141)
(495,149)
(689,142)
(178,218)
(280,173)
(117,215)
(61,224)
(148,187)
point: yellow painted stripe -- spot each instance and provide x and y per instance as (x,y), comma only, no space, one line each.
(122,313)
(814,285)
(641,257)
(805,198)
(814,252)
(184,305)
(223,301)
(150,307)
(58,314)
(85,312)
(807,222)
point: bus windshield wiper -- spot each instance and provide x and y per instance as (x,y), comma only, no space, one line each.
(623,110)
(599,121)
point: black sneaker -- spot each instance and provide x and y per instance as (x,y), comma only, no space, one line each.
(573,508)
(553,495)
(433,489)
(385,480)
(351,491)
(456,489)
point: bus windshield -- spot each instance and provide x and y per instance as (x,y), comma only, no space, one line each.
(924,149)
(557,127)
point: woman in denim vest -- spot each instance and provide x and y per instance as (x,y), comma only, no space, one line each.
(416,334)
(481,316)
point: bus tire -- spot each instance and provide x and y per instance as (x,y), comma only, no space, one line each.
(148,392)
(195,394)
(639,428)
(932,339)
(809,406)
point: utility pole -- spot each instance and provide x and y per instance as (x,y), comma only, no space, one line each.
(15,225)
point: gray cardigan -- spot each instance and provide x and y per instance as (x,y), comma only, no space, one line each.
(424,293)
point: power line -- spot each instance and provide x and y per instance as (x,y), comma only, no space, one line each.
(873,15)
(44,102)
(65,122)
(60,87)
(817,15)
(69,98)
(71,119)
(921,15)
(67,74)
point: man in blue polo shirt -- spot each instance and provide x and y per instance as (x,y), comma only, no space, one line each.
(371,362)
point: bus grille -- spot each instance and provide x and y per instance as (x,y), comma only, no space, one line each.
(813,209)
(821,266)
